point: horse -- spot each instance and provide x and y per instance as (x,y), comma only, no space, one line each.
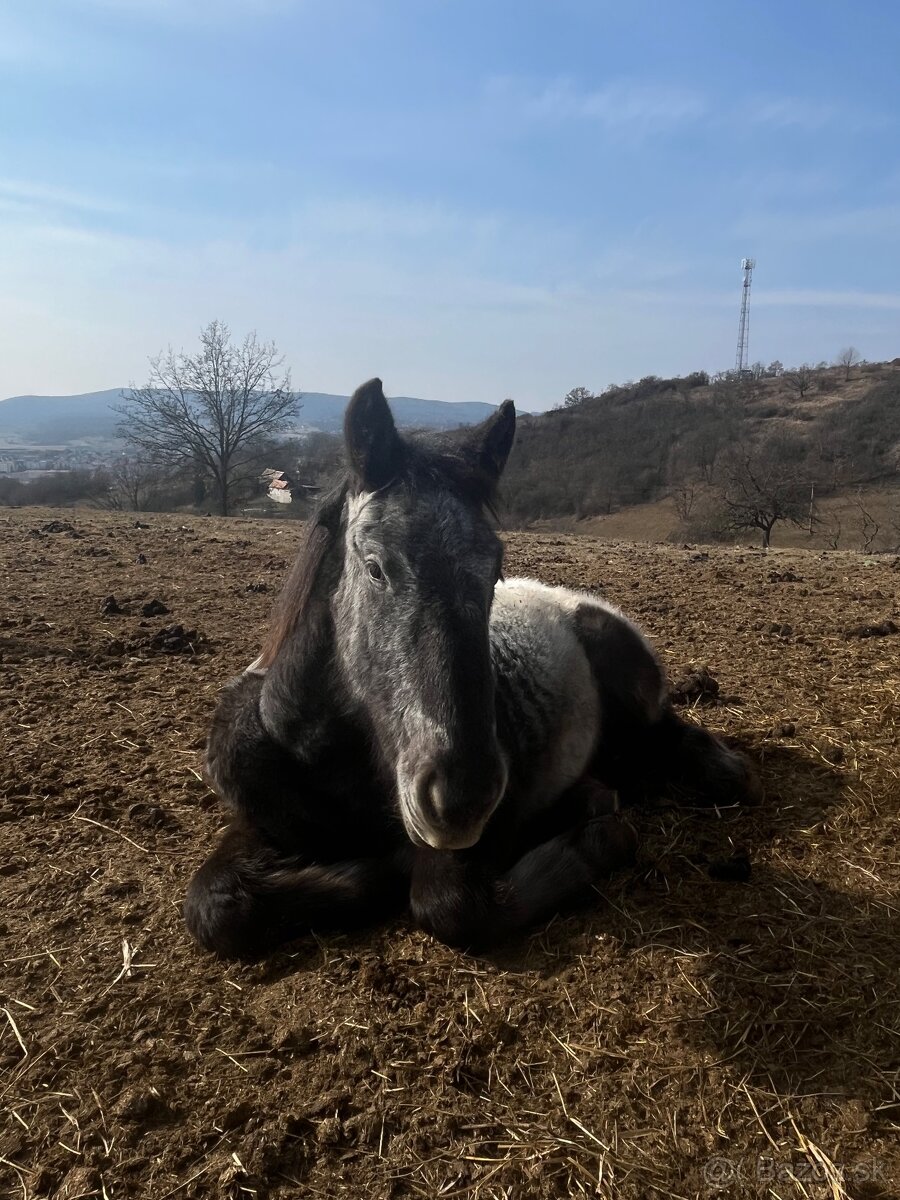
(420,734)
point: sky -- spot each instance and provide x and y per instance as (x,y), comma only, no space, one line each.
(473,199)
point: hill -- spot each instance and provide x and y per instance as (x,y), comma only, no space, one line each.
(59,419)
(325,412)
(681,444)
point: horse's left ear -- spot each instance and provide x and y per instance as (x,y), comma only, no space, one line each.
(373,444)
(491,441)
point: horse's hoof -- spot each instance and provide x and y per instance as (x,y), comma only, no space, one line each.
(753,787)
(602,801)
(608,844)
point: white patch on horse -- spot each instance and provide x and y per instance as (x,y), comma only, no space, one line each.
(573,601)
(539,621)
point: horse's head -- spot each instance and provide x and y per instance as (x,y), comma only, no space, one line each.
(411,613)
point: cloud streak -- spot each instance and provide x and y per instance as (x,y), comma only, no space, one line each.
(35,195)
(646,107)
(619,106)
(877,221)
(824,298)
(811,115)
(187,12)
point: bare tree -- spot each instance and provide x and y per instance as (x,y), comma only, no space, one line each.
(894,518)
(869,526)
(832,533)
(684,494)
(848,358)
(762,489)
(135,484)
(209,410)
(800,379)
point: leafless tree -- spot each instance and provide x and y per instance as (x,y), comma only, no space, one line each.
(848,358)
(832,533)
(895,529)
(762,489)
(800,379)
(135,484)
(208,410)
(684,494)
(869,526)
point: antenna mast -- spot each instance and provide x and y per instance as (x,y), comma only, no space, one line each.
(740,359)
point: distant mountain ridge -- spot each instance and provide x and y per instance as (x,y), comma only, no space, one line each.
(58,419)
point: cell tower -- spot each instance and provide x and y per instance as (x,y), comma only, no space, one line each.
(740,359)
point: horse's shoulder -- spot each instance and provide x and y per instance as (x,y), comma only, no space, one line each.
(542,601)
(532,623)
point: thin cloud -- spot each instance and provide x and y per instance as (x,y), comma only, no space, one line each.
(810,115)
(789,183)
(35,195)
(189,12)
(823,298)
(878,221)
(394,219)
(619,106)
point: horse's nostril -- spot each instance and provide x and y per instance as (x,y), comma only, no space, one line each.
(430,793)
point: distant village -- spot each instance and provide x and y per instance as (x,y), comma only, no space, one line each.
(27,461)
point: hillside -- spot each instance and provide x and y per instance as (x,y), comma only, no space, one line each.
(672,448)
(56,419)
(59,419)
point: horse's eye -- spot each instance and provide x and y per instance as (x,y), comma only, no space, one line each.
(374,572)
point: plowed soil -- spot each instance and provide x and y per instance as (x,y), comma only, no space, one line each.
(723,1022)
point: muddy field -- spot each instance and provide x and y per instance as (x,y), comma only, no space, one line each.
(724,1022)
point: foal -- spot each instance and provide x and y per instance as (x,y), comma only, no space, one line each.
(418,733)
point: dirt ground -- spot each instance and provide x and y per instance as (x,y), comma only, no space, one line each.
(724,1022)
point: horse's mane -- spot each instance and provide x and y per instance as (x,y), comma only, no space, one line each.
(439,462)
(294,599)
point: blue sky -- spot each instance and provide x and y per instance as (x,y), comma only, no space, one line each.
(472,198)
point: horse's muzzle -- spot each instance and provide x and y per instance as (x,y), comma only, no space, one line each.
(450,807)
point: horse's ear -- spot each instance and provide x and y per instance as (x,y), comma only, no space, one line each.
(374,447)
(491,441)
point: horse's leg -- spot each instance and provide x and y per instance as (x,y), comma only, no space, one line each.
(296,858)
(692,766)
(255,776)
(463,899)
(248,898)
(671,758)
(646,750)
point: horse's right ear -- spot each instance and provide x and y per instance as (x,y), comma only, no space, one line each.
(373,445)
(491,441)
